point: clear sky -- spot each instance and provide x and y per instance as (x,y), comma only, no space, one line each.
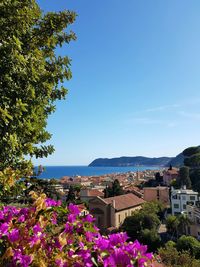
(136,80)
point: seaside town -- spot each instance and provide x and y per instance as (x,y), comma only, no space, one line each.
(160,208)
(133,189)
(133,104)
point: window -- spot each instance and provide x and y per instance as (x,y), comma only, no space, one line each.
(184,206)
(176,206)
(183,197)
(125,214)
(119,218)
(192,197)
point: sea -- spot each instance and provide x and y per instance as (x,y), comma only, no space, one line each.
(56,172)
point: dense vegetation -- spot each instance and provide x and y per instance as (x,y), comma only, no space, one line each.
(130,161)
(143,225)
(31,81)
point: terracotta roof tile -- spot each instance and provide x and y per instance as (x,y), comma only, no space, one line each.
(124,201)
(94,193)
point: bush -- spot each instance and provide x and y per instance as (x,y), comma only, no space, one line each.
(46,234)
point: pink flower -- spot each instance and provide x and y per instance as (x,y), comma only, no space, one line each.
(14,236)
(3,229)
(88,218)
(68,228)
(118,238)
(71,218)
(73,209)
(52,203)
(23,260)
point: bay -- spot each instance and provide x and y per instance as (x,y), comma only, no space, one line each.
(59,171)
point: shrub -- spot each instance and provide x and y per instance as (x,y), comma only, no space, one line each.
(46,234)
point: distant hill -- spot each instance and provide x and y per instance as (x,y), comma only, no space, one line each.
(130,161)
(177,161)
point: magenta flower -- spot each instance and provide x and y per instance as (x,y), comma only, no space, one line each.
(61,263)
(118,238)
(117,258)
(52,203)
(102,243)
(68,228)
(3,229)
(14,236)
(1,215)
(21,260)
(89,236)
(21,219)
(37,229)
(88,218)
(75,242)
(71,218)
(73,209)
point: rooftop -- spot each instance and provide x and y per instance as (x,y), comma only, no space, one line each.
(124,201)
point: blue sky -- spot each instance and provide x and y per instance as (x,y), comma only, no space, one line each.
(136,80)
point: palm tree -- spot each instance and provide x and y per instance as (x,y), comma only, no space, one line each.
(183,222)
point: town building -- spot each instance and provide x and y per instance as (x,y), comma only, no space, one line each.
(193,213)
(88,194)
(160,193)
(134,190)
(111,212)
(180,198)
(170,175)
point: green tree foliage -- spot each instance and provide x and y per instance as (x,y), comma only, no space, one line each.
(114,190)
(195,179)
(184,177)
(188,152)
(189,243)
(192,157)
(192,160)
(31,78)
(71,197)
(176,225)
(143,225)
(171,257)
(183,223)
(151,239)
(172,224)
(158,177)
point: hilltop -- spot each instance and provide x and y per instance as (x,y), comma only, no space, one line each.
(138,161)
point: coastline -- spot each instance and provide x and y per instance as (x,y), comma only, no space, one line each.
(57,172)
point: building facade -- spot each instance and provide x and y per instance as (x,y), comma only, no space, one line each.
(111,212)
(193,213)
(88,194)
(160,193)
(180,198)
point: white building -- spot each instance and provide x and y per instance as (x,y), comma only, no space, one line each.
(180,198)
(193,213)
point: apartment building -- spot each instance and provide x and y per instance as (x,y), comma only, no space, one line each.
(180,198)
(193,213)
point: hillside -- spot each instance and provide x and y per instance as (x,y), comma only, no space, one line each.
(177,161)
(130,161)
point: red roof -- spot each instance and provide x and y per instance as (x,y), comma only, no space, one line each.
(124,201)
(94,193)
